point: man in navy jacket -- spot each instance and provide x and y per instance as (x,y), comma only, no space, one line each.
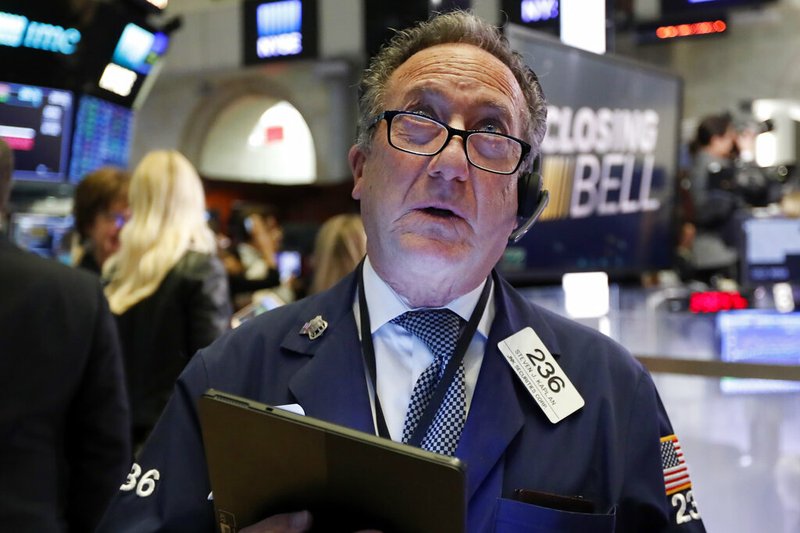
(450,121)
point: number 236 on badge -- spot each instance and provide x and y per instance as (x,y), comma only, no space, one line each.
(541,375)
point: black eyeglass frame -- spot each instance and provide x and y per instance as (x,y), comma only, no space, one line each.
(464,134)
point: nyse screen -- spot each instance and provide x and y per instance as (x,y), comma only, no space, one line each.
(609,160)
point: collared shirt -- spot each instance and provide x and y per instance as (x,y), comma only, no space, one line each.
(400,357)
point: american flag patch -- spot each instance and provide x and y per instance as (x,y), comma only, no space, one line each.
(676,474)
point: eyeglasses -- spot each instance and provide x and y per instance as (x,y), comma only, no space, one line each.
(420,135)
(119,219)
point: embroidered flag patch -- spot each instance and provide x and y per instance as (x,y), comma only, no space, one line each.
(676,473)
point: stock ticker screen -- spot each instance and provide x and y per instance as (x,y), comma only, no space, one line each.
(103,135)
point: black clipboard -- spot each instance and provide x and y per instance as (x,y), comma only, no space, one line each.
(263,460)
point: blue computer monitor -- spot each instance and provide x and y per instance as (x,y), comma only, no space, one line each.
(762,337)
(103,136)
(769,251)
(43,234)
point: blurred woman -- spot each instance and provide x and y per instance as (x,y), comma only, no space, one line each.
(100,210)
(713,201)
(340,244)
(713,150)
(166,284)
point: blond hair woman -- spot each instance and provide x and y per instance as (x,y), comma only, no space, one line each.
(340,244)
(165,284)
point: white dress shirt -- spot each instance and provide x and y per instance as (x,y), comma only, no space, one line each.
(400,357)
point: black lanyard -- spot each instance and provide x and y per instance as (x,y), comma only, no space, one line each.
(368,352)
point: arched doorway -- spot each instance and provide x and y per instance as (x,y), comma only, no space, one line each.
(258,138)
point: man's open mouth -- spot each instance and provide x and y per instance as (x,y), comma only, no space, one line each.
(437,212)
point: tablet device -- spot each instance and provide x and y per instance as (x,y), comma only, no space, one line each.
(263,460)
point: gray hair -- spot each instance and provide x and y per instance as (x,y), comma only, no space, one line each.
(452,27)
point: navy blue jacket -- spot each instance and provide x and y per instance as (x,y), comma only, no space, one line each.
(608,452)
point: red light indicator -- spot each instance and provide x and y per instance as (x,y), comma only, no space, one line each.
(713,301)
(686,30)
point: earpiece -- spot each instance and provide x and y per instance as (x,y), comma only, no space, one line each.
(531,200)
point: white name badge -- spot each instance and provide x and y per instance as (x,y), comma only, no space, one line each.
(541,375)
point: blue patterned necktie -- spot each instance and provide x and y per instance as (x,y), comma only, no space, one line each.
(439,330)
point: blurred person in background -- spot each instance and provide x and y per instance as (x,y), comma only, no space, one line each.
(704,242)
(100,210)
(64,419)
(713,151)
(340,245)
(166,284)
(256,239)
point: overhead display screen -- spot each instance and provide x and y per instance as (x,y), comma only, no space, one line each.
(137,52)
(279,30)
(609,161)
(139,49)
(103,136)
(36,122)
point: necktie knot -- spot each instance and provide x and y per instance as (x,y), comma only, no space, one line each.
(437,328)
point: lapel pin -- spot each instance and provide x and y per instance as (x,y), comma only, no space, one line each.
(314,327)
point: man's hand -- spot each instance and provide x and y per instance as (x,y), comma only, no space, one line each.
(282,523)
(266,236)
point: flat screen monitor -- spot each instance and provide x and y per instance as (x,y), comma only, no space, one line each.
(43,234)
(129,72)
(609,161)
(37,123)
(770,251)
(139,49)
(103,136)
(763,337)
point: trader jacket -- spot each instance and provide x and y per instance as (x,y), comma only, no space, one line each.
(608,452)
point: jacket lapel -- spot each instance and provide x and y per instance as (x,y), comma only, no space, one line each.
(332,385)
(496,414)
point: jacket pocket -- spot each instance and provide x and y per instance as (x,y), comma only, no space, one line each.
(516,517)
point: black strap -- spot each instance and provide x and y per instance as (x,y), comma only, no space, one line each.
(368,352)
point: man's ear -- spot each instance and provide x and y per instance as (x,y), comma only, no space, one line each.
(357,159)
